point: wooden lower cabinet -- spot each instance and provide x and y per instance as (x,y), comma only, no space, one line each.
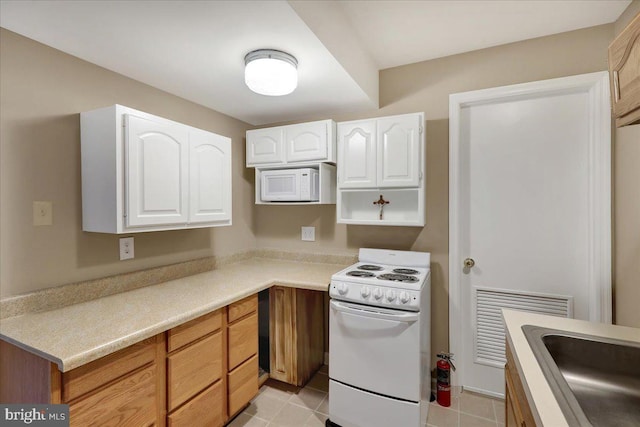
(243,384)
(206,409)
(193,369)
(517,410)
(242,365)
(296,334)
(129,401)
(200,373)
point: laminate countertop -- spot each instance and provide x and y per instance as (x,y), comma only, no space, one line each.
(544,406)
(81,333)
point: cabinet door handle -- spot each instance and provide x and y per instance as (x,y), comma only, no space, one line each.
(616,86)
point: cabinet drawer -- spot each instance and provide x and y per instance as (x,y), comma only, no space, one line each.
(243,384)
(243,340)
(131,401)
(99,372)
(206,409)
(192,369)
(242,308)
(191,331)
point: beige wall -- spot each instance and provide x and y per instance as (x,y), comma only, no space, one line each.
(626,184)
(43,91)
(426,87)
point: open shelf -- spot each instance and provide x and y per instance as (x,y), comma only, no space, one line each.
(405,208)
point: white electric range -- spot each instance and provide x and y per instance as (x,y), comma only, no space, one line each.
(379,340)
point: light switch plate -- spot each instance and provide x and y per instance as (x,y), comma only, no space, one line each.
(309,234)
(42,213)
(126,248)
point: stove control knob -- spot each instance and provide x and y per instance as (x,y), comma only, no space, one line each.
(404,297)
(342,289)
(377,293)
(391,296)
(365,292)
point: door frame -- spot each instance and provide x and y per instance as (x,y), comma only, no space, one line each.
(596,85)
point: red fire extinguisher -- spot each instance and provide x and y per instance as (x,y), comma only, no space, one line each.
(443,374)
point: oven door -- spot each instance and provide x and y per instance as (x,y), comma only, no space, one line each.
(375,349)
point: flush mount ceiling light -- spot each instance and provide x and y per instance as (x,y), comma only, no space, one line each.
(270,72)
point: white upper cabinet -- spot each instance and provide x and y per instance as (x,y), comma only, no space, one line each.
(357,154)
(399,151)
(209,178)
(264,146)
(144,173)
(381,166)
(306,142)
(156,172)
(380,153)
(292,144)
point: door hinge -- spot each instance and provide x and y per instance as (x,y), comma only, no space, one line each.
(421,129)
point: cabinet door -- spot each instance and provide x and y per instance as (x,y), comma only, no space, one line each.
(306,141)
(357,154)
(130,401)
(624,69)
(156,171)
(281,318)
(264,146)
(399,151)
(206,409)
(209,177)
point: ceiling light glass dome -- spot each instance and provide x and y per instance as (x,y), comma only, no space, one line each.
(271,72)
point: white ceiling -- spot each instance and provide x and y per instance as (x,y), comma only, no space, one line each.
(195,49)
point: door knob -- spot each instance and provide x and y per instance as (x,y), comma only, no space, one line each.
(469,262)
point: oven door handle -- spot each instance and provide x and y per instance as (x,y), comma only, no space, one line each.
(371,312)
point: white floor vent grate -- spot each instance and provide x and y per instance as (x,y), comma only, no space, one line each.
(490,336)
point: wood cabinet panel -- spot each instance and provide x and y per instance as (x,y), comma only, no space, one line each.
(241,308)
(243,384)
(193,368)
(97,373)
(624,74)
(27,378)
(206,409)
(191,331)
(130,401)
(243,340)
(296,319)
(517,410)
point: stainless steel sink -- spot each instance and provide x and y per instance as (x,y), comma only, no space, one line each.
(595,380)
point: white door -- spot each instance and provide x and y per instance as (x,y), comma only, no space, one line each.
(398,148)
(529,204)
(357,154)
(156,171)
(306,141)
(265,146)
(209,177)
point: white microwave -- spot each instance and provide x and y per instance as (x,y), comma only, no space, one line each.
(289,185)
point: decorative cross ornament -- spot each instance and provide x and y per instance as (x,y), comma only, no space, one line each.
(381,202)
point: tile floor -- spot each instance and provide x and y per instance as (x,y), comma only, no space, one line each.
(281,405)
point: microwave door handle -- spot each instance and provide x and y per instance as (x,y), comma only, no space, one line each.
(373,313)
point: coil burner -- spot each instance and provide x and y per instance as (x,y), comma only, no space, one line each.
(357,273)
(405,271)
(398,278)
(369,267)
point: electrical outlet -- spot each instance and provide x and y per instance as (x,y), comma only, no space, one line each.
(309,234)
(42,213)
(126,248)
